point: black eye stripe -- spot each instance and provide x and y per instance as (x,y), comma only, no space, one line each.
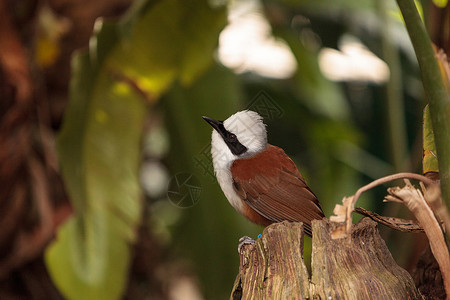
(229,138)
(232,141)
(236,147)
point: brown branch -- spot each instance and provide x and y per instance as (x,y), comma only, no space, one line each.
(433,197)
(415,201)
(391,222)
(378,182)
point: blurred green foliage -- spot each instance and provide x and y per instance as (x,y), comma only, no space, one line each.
(160,57)
(99,145)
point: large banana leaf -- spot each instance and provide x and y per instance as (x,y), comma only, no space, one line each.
(129,64)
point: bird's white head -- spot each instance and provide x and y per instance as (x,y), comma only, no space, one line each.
(241,135)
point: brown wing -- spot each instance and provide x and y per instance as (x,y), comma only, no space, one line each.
(270,184)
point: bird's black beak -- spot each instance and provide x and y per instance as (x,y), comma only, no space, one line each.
(217,125)
(230,139)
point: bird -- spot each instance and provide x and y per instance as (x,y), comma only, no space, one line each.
(259,180)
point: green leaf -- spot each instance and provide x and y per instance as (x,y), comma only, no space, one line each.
(429,161)
(99,153)
(99,144)
(440,3)
(174,40)
(435,88)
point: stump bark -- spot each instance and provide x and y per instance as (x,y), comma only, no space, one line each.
(360,267)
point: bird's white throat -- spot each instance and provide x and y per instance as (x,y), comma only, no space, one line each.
(222,160)
(251,132)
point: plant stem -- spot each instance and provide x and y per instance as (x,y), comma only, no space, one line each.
(394,95)
(435,91)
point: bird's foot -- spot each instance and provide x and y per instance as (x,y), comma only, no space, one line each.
(245,240)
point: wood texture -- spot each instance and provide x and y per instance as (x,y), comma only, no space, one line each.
(273,267)
(356,268)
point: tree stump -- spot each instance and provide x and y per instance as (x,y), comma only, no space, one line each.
(357,268)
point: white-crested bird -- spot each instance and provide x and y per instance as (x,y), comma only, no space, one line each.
(259,180)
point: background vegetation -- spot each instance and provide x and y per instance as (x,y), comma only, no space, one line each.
(99,119)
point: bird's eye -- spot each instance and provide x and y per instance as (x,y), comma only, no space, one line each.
(232,137)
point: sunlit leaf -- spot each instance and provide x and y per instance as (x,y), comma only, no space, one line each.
(430,161)
(440,3)
(127,64)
